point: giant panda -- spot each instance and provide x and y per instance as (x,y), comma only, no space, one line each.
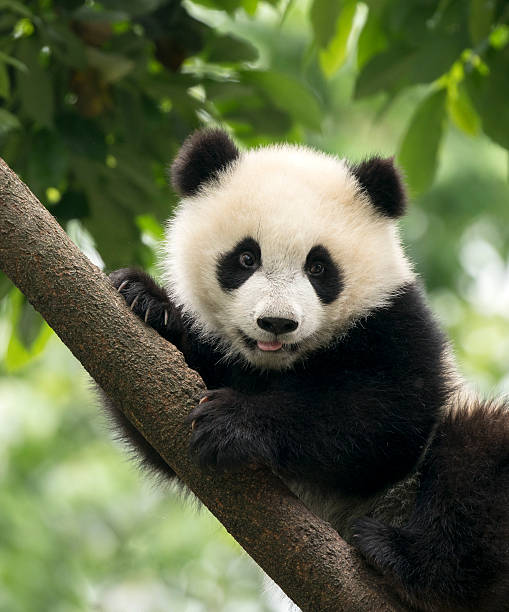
(287,288)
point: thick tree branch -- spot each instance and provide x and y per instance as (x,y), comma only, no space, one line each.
(149,380)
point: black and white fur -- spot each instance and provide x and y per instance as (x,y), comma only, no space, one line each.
(287,289)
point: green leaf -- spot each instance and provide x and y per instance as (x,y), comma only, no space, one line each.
(419,149)
(372,40)
(15,7)
(250,6)
(5,285)
(48,161)
(4,82)
(28,325)
(228,49)
(403,64)
(17,355)
(29,333)
(462,111)
(149,224)
(288,94)
(133,7)
(35,85)
(8,122)
(324,16)
(490,93)
(13,61)
(480,19)
(334,55)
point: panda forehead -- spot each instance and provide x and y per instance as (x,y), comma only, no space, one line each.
(287,198)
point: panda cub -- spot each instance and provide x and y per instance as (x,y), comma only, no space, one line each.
(286,287)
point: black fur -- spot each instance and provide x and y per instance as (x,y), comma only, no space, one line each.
(202,156)
(362,409)
(328,284)
(354,418)
(454,552)
(230,272)
(380,179)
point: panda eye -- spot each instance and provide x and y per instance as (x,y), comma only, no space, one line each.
(247,260)
(317,268)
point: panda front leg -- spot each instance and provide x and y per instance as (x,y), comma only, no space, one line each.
(229,430)
(151,303)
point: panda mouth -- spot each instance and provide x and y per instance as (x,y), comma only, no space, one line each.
(273,346)
(269,346)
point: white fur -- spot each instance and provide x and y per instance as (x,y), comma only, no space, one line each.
(289,199)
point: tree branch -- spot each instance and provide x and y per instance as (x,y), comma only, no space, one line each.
(150,382)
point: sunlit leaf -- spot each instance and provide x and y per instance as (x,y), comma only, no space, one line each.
(372,40)
(333,56)
(324,15)
(250,6)
(419,150)
(462,111)
(17,355)
(29,333)
(149,225)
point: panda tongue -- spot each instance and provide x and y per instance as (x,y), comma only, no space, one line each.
(269,346)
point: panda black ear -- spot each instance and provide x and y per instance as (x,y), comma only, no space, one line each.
(204,154)
(381,180)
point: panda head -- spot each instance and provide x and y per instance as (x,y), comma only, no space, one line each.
(277,251)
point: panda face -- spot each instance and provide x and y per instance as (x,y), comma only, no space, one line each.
(280,254)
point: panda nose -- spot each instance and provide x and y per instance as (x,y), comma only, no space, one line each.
(277,325)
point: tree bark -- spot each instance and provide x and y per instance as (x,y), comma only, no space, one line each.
(149,380)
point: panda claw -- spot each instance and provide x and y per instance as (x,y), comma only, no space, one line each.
(133,303)
(122,285)
(146,314)
(165,318)
(203,399)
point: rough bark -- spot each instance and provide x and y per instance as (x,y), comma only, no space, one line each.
(149,380)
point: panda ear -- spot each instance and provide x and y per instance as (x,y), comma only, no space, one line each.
(382,182)
(202,156)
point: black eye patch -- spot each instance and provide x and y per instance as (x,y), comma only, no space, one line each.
(323,274)
(236,266)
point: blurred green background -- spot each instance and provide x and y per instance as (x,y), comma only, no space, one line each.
(95,98)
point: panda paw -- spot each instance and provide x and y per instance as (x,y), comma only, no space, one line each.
(220,436)
(384,547)
(145,298)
